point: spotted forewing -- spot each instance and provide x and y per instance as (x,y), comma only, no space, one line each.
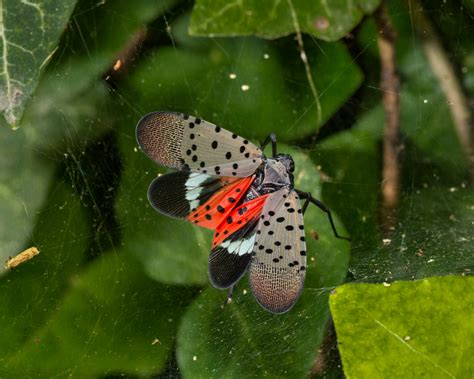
(278,268)
(188,143)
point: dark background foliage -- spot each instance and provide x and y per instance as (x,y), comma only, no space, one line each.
(119,290)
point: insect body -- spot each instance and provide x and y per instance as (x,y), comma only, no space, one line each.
(226,183)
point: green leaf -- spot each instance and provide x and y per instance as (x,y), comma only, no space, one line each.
(433,237)
(242,338)
(29,32)
(242,84)
(113,319)
(30,294)
(109,29)
(408,329)
(329,21)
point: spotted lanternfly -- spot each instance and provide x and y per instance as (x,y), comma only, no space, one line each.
(226,183)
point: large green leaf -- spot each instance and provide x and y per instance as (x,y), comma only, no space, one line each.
(242,339)
(242,84)
(409,329)
(329,21)
(113,319)
(29,32)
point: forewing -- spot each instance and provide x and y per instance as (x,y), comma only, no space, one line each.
(278,268)
(188,143)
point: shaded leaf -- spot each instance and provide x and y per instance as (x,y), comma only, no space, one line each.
(242,84)
(329,21)
(432,178)
(242,338)
(113,319)
(29,32)
(435,236)
(409,329)
(30,294)
(25,176)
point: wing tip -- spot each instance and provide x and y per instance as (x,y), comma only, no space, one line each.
(276,310)
(144,122)
(161,199)
(223,280)
(271,296)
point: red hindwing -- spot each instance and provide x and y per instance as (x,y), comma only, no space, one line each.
(214,211)
(238,218)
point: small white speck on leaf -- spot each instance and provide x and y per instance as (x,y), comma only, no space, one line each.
(244,87)
(232,75)
(266,56)
(195,358)
(387,241)
(385,284)
(425,101)
(407,338)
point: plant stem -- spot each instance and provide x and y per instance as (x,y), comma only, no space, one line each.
(390,85)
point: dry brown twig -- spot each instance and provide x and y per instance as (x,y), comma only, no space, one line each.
(390,86)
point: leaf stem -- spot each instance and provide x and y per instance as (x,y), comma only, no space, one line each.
(304,58)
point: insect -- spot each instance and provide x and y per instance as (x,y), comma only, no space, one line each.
(18,259)
(226,183)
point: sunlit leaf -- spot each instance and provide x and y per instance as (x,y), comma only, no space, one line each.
(329,21)
(29,33)
(409,329)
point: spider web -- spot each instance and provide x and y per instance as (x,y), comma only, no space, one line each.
(93,207)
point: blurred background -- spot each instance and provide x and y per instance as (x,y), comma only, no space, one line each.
(374,101)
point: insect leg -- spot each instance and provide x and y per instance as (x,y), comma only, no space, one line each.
(229,296)
(310,199)
(273,139)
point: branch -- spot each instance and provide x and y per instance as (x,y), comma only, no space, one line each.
(126,56)
(390,85)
